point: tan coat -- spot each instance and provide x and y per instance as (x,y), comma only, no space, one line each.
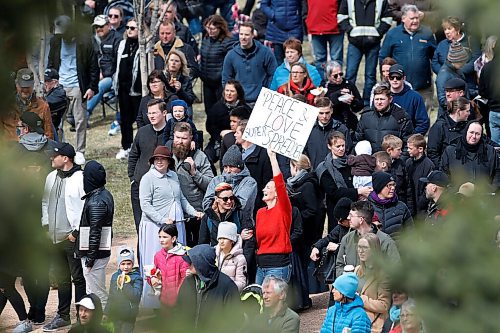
(376,298)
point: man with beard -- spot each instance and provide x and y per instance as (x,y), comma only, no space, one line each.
(194,172)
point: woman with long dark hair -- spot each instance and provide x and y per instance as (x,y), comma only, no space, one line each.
(214,47)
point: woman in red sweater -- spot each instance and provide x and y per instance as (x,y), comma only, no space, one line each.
(272,228)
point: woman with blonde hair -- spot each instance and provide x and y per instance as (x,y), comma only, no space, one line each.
(176,68)
(299,83)
(373,286)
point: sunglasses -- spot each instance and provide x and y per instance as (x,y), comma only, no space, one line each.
(130,27)
(99,26)
(336,76)
(114,16)
(225,199)
(395,77)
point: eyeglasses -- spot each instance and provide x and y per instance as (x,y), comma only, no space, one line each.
(296,73)
(351,216)
(336,76)
(391,185)
(226,199)
(130,27)
(395,77)
(114,16)
(362,248)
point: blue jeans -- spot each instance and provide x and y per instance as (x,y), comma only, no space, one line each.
(225,10)
(354,56)
(495,126)
(320,44)
(104,86)
(279,272)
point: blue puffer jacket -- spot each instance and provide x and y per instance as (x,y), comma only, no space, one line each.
(254,70)
(414,53)
(350,315)
(282,74)
(284,19)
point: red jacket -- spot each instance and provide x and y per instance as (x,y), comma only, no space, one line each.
(273,225)
(173,271)
(322,17)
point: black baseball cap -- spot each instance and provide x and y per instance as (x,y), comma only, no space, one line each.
(436,177)
(50,74)
(397,69)
(63,148)
(33,121)
(455,83)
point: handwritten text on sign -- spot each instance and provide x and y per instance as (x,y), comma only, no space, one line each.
(280,123)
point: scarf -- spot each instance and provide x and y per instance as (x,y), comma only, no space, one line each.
(231,105)
(383,202)
(292,181)
(332,165)
(463,148)
(70,172)
(394,313)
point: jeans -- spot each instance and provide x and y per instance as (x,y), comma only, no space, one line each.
(225,10)
(320,47)
(354,56)
(67,268)
(495,126)
(104,86)
(80,115)
(279,272)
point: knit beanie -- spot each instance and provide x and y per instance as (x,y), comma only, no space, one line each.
(232,157)
(228,230)
(179,102)
(125,253)
(457,53)
(381,179)
(363,147)
(342,209)
(347,284)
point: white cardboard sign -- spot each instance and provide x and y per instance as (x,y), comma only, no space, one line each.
(280,123)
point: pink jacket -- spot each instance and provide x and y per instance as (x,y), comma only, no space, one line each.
(173,271)
(234,264)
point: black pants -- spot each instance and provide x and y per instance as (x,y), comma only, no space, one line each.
(10,293)
(66,268)
(211,94)
(37,289)
(136,205)
(129,106)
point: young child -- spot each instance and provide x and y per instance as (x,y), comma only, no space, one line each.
(417,166)
(179,108)
(169,261)
(362,165)
(348,311)
(125,292)
(383,161)
(393,146)
(229,254)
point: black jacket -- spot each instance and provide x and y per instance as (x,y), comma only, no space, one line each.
(213,52)
(98,211)
(442,134)
(142,114)
(58,102)
(317,146)
(394,217)
(334,236)
(307,196)
(398,170)
(186,36)
(341,111)
(186,92)
(86,61)
(260,169)
(416,169)
(217,119)
(107,51)
(145,142)
(374,125)
(196,306)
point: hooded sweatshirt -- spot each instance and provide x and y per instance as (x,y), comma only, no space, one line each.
(94,325)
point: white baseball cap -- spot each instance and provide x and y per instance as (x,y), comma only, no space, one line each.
(86,302)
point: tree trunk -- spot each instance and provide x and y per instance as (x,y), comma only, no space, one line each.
(139,9)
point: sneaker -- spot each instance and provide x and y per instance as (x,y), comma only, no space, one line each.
(79,158)
(115,128)
(122,154)
(56,324)
(23,326)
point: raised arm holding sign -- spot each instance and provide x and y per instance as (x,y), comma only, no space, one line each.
(280,123)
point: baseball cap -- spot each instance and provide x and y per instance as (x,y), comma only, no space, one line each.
(455,83)
(436,177)
(64,149)
(100,20)
(397,69)
(33,121)
(50,74)
(86,302)
(24,78)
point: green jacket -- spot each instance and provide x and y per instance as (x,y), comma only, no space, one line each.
(286,321)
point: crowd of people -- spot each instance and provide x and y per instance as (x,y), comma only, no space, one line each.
(252,232)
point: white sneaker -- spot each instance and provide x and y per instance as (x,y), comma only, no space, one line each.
(23,327)
(79,158)
(115,128)
(122,154)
